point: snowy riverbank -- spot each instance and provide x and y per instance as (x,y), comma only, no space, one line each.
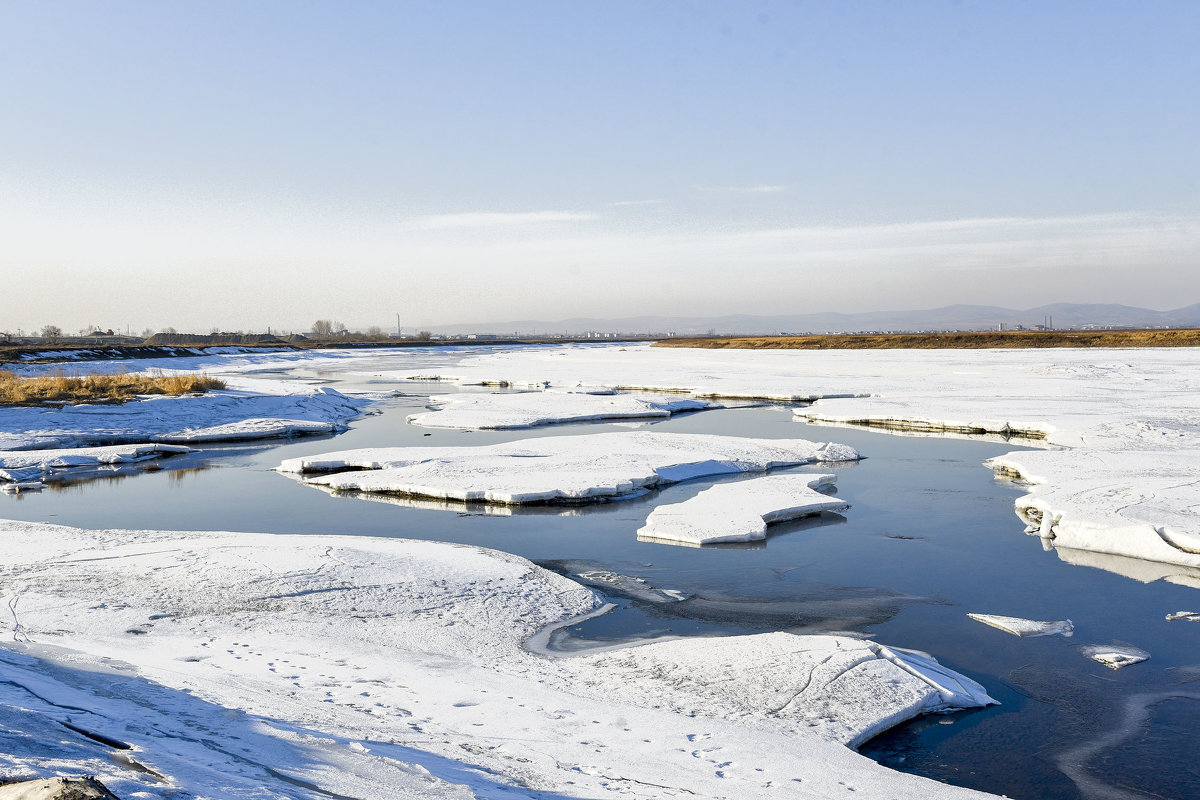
(251,665)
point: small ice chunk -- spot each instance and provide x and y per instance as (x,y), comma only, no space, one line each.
(1026,627)
(741,511)
(1190,616)
(1115,655)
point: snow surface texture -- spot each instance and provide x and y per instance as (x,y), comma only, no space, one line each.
(1026,627)
(1128,487)
(741,511)
(29,468)
(256,666)
(560,469)
(530,409)
(262,410)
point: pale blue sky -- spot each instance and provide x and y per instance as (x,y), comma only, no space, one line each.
(244,164)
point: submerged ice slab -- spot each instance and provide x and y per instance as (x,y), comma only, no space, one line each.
(1115,656)
(741,511)
(558,469)
(1026,627)
(227,415)
(252,665)
(530,409)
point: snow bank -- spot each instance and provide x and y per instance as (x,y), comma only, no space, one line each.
(530,409)
(741,511)
(226,415)
(254,665)
(560,469)
(31,466)
(1026,627)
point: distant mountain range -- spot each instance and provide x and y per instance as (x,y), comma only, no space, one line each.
(957,317)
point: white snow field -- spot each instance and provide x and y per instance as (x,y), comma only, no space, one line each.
(269,408)
(217,665)
(1128,484)
(499,411)
(586,468)
(741,511)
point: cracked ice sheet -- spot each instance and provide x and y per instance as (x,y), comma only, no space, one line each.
(741,511)
(530,409)
(223,415)
(385,668)
(1125,414)
(583,468)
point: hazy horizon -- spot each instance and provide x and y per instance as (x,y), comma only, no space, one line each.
(235,166)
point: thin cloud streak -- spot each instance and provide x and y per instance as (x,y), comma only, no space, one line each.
(494,219)
(759,189)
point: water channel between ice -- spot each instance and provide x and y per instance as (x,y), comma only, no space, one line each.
(929,537)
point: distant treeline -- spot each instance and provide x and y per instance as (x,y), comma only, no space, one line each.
(209,339)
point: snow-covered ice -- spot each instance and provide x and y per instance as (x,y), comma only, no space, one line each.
(255,665)
(1018,626)
(584,468)
(529,409)
(1115,656)
(1129,484)
(32,466)
(1190,616)
(268,408)
(740,511)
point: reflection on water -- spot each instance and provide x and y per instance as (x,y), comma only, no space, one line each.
(929,536)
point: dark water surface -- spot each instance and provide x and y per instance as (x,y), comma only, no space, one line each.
(929,537)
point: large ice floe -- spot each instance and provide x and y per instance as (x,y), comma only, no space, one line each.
(560,469)
(265,409)
(216,665)
(741,511)
(1126,486)
(530,409)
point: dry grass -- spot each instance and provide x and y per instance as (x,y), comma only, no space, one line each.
(1189,337)
(118,387)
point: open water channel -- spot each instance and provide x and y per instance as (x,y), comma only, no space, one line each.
(930,536)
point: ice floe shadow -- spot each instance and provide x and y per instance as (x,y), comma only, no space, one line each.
(637,600)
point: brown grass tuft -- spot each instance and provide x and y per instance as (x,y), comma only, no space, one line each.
(116,387)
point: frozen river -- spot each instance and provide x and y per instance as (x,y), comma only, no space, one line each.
(930,537)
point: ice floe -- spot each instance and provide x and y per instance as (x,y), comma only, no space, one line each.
(269,408)
(740,511)
(560,469)
(254,665)
(1190,616)
(1026,627)
(1115,656)
(25,469)
(530,409)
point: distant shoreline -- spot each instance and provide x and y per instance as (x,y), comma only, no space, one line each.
(962,340)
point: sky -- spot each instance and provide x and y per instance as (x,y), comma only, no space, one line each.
(245,165)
